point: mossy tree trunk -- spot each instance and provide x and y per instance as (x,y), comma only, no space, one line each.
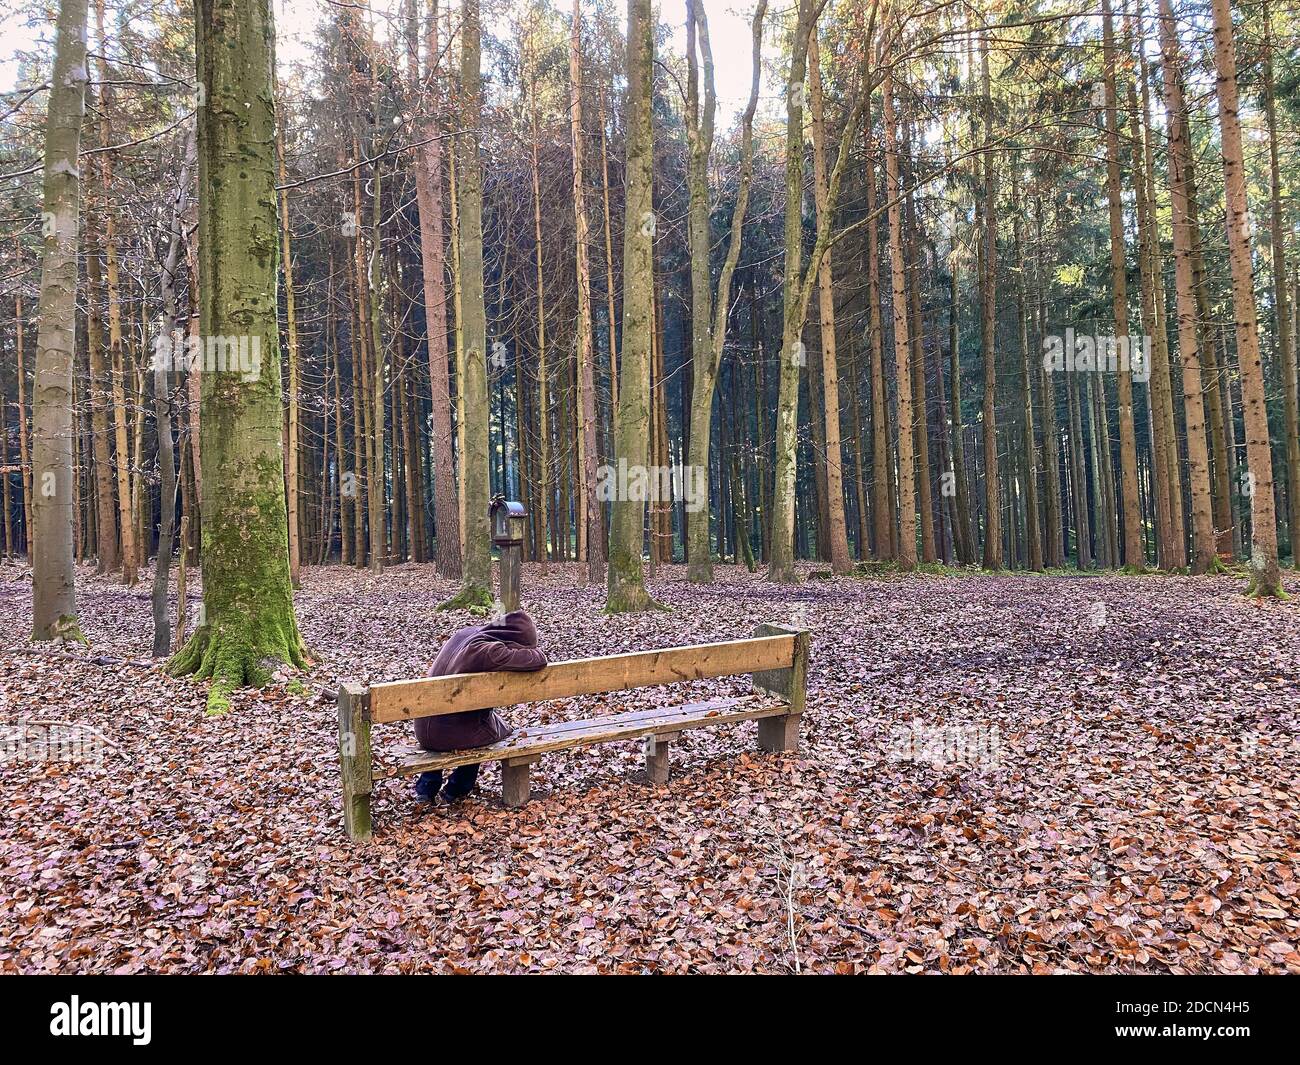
(476,589)
(50,539)
(793,359)
(248,625)
(625,580)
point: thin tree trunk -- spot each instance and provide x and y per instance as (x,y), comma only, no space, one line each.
(1131,512)
(428,191)
(837,531)
(594,543)
(162,638)
(988,213)
(1265,576)
(902,341)
(1034,554)
(125,497)
(1198,461)
(881,503)
(24,447)
(1281,301)
(291,318)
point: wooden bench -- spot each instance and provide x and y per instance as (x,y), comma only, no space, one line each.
(776,659)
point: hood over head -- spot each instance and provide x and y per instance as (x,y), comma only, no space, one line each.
(516,628)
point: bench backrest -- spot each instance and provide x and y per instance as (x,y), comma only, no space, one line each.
(777,650)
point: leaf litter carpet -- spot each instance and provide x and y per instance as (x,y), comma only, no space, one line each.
(1006,773)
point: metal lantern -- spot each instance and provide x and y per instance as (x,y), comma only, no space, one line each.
(508,519)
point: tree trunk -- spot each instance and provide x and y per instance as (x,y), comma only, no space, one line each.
(248,623)
(162,640)
(125,497)
(837,531)
(428,192)
(1198,460)
(1265,576)
(1282,302)
(902,341)
(591,519)
(291,319)
(1131,511)
(626,575)
(1034,555)
(881,503)
(476,589)
(988,316)
(50,537)
(709,316)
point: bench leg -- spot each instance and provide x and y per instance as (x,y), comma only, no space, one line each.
(656,757)
(779,733)
(515,785)
(355,766)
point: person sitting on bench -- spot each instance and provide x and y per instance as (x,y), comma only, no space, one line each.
(505,643)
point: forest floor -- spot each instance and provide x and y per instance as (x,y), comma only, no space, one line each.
(1128,797)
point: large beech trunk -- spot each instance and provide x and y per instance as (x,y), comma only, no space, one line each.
(248,626)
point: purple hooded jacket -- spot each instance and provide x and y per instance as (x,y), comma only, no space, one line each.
(506,643)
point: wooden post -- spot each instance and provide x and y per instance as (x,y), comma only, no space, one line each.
(510,559)
(656,756)
(515,785)
(354,758)
(791,684)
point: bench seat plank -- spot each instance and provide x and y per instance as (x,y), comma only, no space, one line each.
(535,740)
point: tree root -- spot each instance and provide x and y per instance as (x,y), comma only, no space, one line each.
(631,599)
(235,653)
(472,597)
(64,631)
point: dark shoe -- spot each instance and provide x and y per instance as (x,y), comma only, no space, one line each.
(449,796)
(427,785)
(462,782)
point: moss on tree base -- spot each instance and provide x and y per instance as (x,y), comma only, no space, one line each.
(1260,588)
(236,653)
(475,598)
(631,599)
(65,630)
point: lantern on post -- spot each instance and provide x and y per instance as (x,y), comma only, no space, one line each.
(508,518)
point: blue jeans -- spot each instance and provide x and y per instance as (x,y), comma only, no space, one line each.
(463,779)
